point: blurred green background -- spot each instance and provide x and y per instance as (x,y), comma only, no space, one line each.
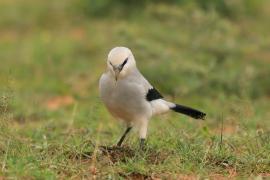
(211,54)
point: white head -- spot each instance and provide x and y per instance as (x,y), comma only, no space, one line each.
(120,62)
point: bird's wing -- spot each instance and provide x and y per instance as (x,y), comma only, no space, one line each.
(154,97)
(153,94)
(150,92)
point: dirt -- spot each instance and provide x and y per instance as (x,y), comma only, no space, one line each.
(227,130)
(22,119)
(157,157)
(136,176)
(116,153)
(58,102)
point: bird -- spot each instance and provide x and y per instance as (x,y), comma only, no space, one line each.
(129,97)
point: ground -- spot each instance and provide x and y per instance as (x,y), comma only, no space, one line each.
(54,125)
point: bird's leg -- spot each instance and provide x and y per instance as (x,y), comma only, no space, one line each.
(124,136)
(143,132)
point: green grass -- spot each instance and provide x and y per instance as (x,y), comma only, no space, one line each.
(53,53)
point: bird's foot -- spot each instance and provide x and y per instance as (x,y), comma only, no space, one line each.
(118,144)
(142,144)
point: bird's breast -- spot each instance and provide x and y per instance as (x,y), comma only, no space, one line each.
(125,100)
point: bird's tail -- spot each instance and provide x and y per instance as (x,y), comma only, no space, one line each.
(161,106)
(196,114)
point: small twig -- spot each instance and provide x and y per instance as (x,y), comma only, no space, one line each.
(94,156)
(221,133)
(73,114)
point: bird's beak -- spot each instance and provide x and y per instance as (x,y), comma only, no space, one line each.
(117,71)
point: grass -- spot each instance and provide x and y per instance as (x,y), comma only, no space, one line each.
(51,117)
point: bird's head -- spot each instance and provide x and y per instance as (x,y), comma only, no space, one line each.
(120,62)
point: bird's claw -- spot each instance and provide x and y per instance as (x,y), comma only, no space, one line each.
(142,144)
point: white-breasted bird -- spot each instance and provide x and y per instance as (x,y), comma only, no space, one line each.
(131,98)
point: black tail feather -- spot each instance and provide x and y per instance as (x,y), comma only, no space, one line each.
(189,111)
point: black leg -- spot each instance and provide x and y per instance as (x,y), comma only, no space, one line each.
(142,144)
(124,136)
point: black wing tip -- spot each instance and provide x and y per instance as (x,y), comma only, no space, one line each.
(153,94)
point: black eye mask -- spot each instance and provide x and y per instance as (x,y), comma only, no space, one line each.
(124,63)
